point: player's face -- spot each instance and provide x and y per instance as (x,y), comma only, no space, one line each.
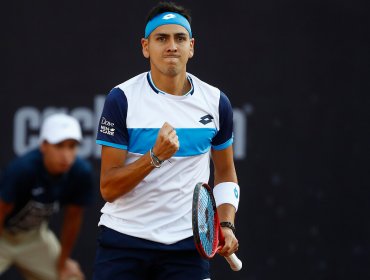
(169,48)
(58,158)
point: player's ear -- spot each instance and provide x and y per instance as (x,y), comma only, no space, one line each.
(145,47)
(191,52)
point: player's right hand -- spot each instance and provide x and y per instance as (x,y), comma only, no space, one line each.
(231,244)
(167,143)
(71,271)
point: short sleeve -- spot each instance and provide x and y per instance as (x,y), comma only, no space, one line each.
(224,137)
(112,129)
(82,187)
(12,181)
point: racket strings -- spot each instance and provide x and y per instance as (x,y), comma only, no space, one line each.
(206,222)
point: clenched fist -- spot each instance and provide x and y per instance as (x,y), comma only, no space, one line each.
(167,143)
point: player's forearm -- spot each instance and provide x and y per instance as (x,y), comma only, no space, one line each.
(225,173)
(226,213)
(71,227)
(2,219)
(5,209)
(1,224)
(118,181)
(224,167)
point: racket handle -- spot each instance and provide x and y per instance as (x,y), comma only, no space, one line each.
(234,262)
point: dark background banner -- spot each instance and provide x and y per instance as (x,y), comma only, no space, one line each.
(296,73)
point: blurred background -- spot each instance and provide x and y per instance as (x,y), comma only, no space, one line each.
(297,74)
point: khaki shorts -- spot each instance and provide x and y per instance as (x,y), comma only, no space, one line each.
(34,253)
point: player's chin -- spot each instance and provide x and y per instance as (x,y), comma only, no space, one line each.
(63,168)
(172,71)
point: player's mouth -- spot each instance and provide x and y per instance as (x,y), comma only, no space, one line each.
(64,166)
(171,56)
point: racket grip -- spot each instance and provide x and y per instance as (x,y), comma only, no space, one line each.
(234,262)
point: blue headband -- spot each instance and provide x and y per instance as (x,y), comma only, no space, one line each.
(167,18)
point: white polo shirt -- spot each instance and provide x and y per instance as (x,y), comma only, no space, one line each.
(159,207)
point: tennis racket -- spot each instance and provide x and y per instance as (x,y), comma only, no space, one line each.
(207,232)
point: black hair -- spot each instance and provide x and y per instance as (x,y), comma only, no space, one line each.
(163,7)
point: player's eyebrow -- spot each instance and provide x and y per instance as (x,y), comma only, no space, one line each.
(168,34)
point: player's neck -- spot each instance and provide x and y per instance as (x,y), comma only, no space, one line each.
(176,85)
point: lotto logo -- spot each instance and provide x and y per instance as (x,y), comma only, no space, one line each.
(169,16)
(236,193)
(206,119)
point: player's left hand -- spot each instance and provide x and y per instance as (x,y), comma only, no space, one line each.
(71,271)
(231,243)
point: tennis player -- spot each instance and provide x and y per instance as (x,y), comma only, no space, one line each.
(32,188)
(158,132)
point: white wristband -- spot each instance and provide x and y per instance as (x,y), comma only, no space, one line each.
(227,192)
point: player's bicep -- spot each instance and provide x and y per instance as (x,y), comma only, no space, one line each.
(112,158)
(72,212)
(224,168)
(5,209)
(112,164)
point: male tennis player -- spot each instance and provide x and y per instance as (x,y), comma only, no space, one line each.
(158,131)
(32,188)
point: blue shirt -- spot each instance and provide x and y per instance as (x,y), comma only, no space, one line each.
(36,194)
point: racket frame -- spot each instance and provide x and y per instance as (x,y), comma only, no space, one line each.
(218,237)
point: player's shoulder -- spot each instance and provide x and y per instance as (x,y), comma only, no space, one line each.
(26,164)
(204,86)
(138,80)
(213,94)
(121,91)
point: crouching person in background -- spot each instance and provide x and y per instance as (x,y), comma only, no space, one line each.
(32,188)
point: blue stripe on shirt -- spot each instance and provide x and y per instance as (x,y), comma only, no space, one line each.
(224,145)
(110,144)
(193,141)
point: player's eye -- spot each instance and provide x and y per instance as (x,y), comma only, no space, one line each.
(181,38)
(59,145)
